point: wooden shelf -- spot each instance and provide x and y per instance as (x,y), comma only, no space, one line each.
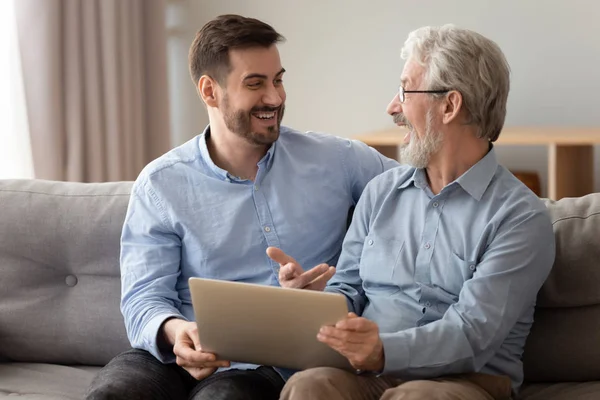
(509,136)
(570,153)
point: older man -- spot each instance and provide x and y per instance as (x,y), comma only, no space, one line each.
(444,257)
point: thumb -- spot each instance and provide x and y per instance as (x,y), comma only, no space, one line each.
(192,333)
(352,315)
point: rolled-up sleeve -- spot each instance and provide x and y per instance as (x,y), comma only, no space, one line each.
(150,266)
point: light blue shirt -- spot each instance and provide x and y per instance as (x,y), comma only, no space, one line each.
(189,218)
(450,279)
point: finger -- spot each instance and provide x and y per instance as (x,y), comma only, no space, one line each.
(279,256)
(187,363)
(344,335)
(320,282)
(200,373)
(357,324)
(307,277)
(344,348)
(289,271)
(193,334)
(184,351)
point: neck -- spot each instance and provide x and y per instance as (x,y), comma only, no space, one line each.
(455,158)
(233,153)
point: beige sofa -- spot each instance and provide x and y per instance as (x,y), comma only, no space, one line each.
(59,291)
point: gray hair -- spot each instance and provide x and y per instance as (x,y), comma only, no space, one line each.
(463,60)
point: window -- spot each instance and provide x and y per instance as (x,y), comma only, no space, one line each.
(15,147)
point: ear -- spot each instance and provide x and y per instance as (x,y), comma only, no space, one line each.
(451,106)
(207,89)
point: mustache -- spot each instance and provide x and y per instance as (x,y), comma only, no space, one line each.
(400,119)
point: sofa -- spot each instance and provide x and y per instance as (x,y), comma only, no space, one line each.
(59,293)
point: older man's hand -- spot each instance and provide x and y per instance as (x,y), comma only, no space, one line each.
(291,274)
(358,340)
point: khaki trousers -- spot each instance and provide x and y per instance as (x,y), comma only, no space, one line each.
(336,384)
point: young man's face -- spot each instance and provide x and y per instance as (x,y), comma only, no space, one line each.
(253,99)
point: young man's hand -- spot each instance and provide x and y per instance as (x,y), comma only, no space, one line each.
(186,346)
(291,274)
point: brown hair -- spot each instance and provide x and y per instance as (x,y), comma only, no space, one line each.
(209,52)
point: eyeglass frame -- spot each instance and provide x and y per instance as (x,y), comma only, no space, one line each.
(402,92)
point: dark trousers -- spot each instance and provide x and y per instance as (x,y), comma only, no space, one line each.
(137,374)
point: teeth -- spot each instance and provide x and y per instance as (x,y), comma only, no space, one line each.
(265,115)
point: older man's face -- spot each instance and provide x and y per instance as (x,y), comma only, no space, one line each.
(416,114)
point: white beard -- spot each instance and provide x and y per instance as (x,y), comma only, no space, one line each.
(418,151)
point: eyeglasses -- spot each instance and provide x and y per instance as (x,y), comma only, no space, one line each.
(401,92)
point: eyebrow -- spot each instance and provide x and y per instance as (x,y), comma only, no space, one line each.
(261,76)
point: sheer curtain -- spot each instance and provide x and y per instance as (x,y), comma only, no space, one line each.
(95,84)
(15,147)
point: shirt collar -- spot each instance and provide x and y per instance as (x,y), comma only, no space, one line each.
(267,160)
(417,178)
(477,179)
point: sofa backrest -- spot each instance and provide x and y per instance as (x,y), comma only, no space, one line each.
(564,343)
(59,271)
(60,286)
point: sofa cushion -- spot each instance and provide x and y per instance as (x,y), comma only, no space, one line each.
(563,343)
(45,381)
(561,391)
(575,277)
(59,269)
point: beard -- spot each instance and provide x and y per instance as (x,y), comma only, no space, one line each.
(240,123)
(418,151)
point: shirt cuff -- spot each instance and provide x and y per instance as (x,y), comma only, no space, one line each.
(396,353)
(151,338)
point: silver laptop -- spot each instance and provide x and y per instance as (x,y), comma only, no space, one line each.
(266,325)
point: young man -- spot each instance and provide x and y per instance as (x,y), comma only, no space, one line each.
(211,207)
(444,259)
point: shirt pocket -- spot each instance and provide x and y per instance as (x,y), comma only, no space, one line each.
(459,271)
(380,257)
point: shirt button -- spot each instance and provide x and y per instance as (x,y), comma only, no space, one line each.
(472,267)
(267,229)
(255,187)
(427,246)
(428,304)
(370,242)
(435,204)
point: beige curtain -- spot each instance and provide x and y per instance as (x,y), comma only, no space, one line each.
(95,80)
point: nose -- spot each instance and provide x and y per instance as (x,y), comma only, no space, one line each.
(395,107)
(273,96)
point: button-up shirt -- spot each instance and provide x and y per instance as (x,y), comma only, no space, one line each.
(189,218)
(451,279)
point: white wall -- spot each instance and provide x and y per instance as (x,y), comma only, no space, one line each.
(342,58)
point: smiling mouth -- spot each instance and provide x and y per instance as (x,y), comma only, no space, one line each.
(264,115)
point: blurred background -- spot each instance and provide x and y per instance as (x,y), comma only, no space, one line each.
(94,89)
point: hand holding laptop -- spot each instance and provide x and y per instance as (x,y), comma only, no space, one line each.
(356,338)
(291,274)
(186,346)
